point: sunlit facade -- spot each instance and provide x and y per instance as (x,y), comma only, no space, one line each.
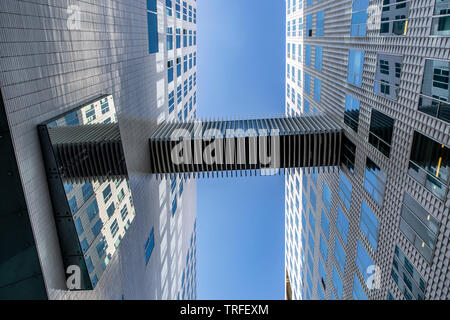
(376,228)
(137,234)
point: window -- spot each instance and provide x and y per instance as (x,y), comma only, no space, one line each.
(441,18)
(312,221)
(355,67)
(337,282)
(318,59)
(323,249)
(111,209)
(387,75)
(351,114)
(90,114)
(348,154)
(363,262)
(152,26)
(359,18)
(169,7)
(435,94)
(420,227)
(325,223)
(369,225)
(319,23)
(174,206)
(326,196)
(185,38)
(120,195)
(322,275)
(405,275)
(102,245)
(358,291)
(171,102)
(308,55)
(190,38)
(309,25)
(124,213)
(169,38)
(345,191)
(97,227)
(184,10)
(178,9)
(381,129)
(170,71)
(79,226)
(317,89)
(394,17)
(178,67)
(342,224)
(92,210)
(114,228)
(339,254)
(73,205)
(375,181)
(149,245)
(104,107)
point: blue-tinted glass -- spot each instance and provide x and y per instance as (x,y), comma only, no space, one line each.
(152,20)
(149,245)
(326,196)
(89,265)
(355,67)
(359,5)
(345,190)
(84,245)
(174,206)
(151,5)
(325,224)
(339,254)
(337,283)
(358,291)
(88,191)
(73,205)
(309,25)
(79,226)
(369,224)
(375,181)
(68,187)
(351,115)
(72,119)
(318,62)
(111,209)
(363,261)
(92,210)
(97,227)
(323,249)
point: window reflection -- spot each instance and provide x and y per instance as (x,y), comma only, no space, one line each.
(429,164)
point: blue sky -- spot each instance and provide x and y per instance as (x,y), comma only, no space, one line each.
(241,220)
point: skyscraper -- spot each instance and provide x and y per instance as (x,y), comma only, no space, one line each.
(70,63)
(376,228)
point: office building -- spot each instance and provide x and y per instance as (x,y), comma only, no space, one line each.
(378,227)
(65,64)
